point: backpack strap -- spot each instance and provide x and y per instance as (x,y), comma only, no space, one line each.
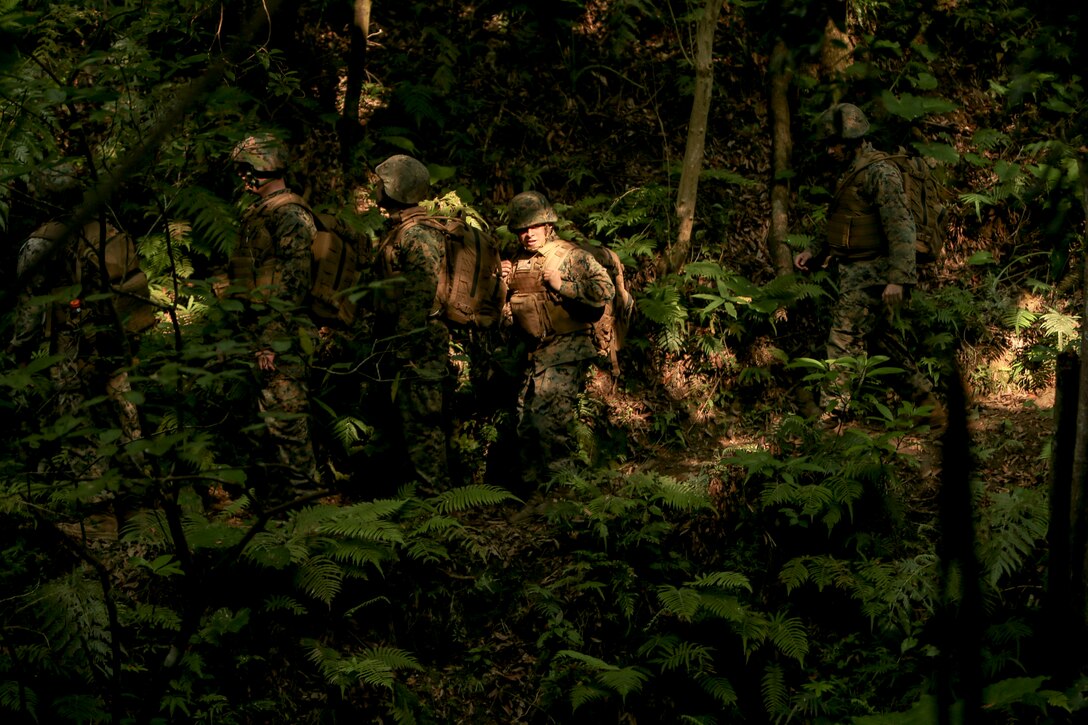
(868,160)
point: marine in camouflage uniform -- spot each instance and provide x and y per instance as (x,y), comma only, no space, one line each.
(412,256)
(555,291)
(272,266)
(871,237)
(93,349)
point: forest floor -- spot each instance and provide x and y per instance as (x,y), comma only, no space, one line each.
(1009,432)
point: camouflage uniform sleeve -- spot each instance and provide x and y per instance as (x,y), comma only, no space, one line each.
(29,318)
(420,256)
(585,280)
(883,185)
(293,229)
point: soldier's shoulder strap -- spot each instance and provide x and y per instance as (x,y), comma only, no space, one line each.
(863,163)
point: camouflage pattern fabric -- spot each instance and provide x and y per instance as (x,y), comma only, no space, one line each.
(283,399)
(92,353)
(861,321)
(547,409)
(556,375)
(881,184)
(421,349)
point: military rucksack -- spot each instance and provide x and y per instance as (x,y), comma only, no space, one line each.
(469,283)
(610,330)
(927,199)
(337,262)
(131,296)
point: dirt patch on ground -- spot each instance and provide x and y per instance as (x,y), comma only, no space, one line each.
(1010,437)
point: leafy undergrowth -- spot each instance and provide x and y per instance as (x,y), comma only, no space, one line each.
(572,617)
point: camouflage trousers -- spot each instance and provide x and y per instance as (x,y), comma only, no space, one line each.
(861,323)
(419,396)
(547,410)
(284,404)
(75,381)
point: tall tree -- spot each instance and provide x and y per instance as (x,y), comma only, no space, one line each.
(781,151)
(696,140)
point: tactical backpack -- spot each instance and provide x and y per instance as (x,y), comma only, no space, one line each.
(926,198)
(131,296)
(469,283)
(610,330)
(337,263)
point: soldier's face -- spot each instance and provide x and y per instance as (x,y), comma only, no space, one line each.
(836,151)
(250,180)
(534,237)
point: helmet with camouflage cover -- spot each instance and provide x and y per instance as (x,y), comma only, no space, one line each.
(529,209)
(842,121)
(264,152)
(404,179)
(58,184)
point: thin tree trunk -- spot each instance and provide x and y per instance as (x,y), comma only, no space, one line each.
(781,153)
(960,617)
(1078,493)
(350,132)
(1059,618)
(696,141)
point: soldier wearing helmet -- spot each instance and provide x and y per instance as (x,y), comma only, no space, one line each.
(556,291)
(871,240)
(411,256)
(270,271)
(83,325)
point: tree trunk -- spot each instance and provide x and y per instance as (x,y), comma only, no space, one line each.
(350,133)
(1059,618)
(837,50)
(696,141)
(1078,492)
(781,153)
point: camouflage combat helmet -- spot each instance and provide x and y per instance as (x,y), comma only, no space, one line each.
(60,178)
(843,120)
(528,209)
(263,152)
(404,179)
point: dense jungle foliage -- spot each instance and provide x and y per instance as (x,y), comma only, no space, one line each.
(718,556)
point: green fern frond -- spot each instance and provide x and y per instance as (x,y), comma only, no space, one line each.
(392,657)
(214,220)
(688,656)
(16,697)
(776,698)
(595,664)
(719,688)
(361,554)
(156,616)
(436,526)
(662,305)
(1013,526)
(427,550)
(365,521)
(721,606)
(1064,327)
(794,573)
(623,680)
(681,603)
(1019,319)
(320,577)
(790,636)
(584,693)
(284,603)
(723,580)
(683,496)
(465,498)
